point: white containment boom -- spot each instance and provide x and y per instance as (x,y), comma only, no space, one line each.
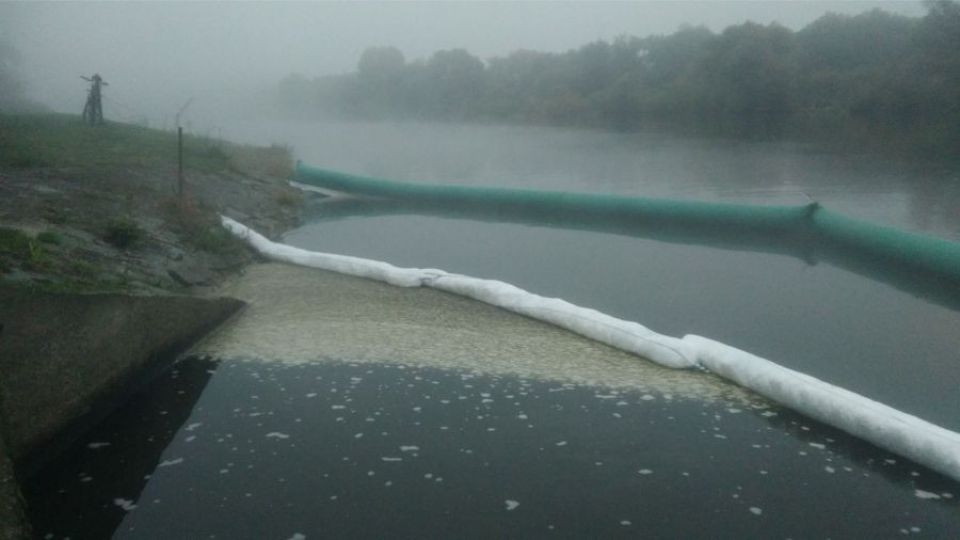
(886,427)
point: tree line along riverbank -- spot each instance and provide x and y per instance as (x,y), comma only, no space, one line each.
(875,81)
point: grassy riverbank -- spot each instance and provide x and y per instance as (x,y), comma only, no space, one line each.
(96,208)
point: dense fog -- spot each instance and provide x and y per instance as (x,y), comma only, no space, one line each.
(156,56)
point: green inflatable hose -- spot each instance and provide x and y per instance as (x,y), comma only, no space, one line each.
(808,229)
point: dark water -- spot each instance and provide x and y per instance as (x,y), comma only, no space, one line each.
(850,329)
(268,450)
(339,450)
(77,496)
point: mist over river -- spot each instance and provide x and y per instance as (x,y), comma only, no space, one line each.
(915,196)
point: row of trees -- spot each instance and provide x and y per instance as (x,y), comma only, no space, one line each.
(873,76)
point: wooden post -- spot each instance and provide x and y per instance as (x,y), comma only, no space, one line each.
(180,161)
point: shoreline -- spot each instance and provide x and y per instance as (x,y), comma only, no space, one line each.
(107,273)
(88,217)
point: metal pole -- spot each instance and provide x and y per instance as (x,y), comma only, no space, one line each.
(180,149)
(180,161)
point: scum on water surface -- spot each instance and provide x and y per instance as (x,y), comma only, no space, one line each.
(302,315)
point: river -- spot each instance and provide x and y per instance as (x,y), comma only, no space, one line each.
(371,442)
(857,332)
(915,196)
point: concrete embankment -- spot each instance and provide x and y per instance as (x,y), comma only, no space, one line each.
(13,523)
(64,359)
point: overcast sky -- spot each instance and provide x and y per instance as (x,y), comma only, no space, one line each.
(157,55)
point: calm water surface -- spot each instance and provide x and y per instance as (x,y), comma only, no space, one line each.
(871,336)
(919,196)
(220,448)
(341,450)
(850,330)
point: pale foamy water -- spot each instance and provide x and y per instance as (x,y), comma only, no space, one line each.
(301,315)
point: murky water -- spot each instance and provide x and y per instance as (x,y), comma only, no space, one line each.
(846,328)
(340,408)
(299,315)
(329,449)
(483,424)
(888,335)
(920,196)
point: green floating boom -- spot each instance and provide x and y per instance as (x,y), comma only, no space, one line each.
(640,210)
(809,228)
(933,255)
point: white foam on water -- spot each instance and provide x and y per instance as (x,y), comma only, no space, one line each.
(921,494)
(126,504)
(888,428)
(624,335)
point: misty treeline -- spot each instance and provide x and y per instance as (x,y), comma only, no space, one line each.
(874,76)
